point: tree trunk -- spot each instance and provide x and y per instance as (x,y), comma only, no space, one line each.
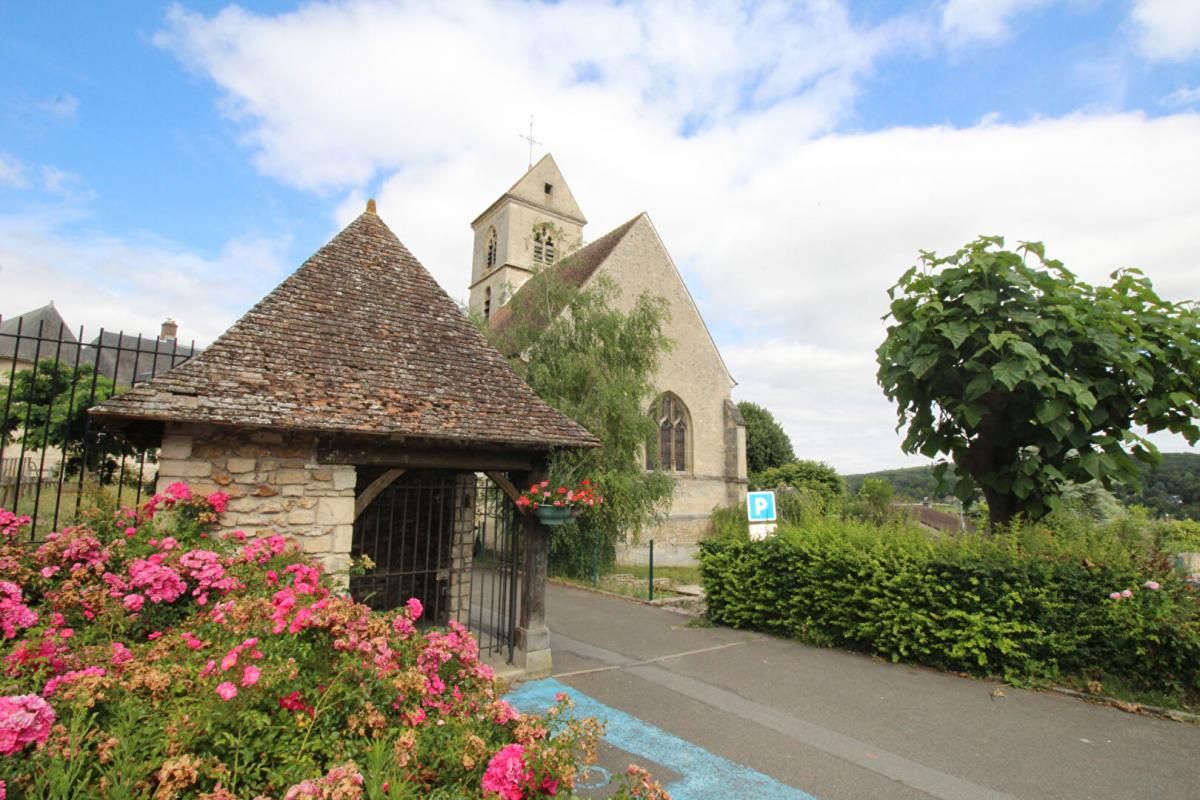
(1001,508)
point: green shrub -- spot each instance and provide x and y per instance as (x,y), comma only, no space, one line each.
(1027,604)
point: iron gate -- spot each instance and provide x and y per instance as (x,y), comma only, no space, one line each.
(52,460)
(451,540)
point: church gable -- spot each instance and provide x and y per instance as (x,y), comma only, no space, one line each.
(544,186)
(638,262)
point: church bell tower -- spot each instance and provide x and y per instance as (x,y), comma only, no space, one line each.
(528,228)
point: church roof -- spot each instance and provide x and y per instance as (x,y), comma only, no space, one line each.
(575,270)
(361,340)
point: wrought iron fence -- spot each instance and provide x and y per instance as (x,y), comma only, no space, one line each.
(451,540)
(51,457)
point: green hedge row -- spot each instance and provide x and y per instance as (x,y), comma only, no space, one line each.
(1023,606)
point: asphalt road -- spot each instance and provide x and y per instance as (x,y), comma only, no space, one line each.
(726,714)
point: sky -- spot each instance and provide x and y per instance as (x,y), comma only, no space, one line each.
(180,160)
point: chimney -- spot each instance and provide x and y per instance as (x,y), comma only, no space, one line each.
(170,329)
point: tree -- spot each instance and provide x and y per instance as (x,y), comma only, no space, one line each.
(814,475)
(595,363)
(1028,377)
(767,444)
(876,494)
(49,409)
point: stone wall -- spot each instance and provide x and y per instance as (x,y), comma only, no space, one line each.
(274,483)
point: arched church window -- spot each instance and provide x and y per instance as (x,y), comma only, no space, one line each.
(487,303)
(549,249)
(491,248)
(672,449)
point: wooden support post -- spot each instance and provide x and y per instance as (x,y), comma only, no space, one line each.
(372,491)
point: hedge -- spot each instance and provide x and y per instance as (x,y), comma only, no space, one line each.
(1025,606)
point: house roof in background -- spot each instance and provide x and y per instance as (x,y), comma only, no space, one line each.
(359,340)
(36,335)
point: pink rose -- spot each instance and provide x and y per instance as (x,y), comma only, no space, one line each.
(227,691)
(1127,594)
(133,602)
(1114,596)
(250,676)
(1152,585)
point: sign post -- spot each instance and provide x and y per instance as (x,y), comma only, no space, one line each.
(760,508)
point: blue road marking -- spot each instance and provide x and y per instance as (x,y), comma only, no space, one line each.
(705,775)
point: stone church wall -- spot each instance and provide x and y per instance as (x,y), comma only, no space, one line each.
(274,483)
(693,370)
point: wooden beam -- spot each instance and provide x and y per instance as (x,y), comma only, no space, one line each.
(506,486)
(399,456)
(372,491)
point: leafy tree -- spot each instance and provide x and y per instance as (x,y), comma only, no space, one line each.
(767,444)
(49,409)
(595,363)
(813,475)
(1028,377)
(876,494)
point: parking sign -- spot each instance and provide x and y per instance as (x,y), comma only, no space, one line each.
(760,506)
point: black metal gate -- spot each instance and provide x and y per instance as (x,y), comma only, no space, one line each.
(52,460)
(451,540)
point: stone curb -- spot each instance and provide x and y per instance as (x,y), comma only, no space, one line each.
(1129,706)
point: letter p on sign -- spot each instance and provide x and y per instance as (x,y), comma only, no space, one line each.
(760,506)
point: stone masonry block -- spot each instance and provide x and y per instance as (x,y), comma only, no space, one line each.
(335,511)
(301,516)
(294,491)
(185,469)
(176,447)
(291,477)
(316,544)
(343,538)
(239,466)
(344,477)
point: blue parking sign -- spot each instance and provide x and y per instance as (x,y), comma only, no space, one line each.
(760,506)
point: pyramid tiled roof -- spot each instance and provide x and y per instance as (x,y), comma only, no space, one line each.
(359,340)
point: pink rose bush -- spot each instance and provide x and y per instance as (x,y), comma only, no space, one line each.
(145,654)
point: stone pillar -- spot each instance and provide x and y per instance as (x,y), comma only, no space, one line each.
(462,548)
(533,637)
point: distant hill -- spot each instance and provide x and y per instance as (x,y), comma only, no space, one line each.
(1170,489)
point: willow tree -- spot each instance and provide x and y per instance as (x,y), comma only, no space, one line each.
(595,363)
(1029,378)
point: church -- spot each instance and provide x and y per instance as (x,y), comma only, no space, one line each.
(537,224)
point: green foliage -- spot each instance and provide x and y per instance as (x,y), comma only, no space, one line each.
(49,409)
(1169,489)
(594,363)
(913,484)
(767,444)
(1028,377)
(873,500)
(1029,603)
(816,476)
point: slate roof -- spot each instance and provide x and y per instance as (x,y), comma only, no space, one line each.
(359,340)
(43,323)
(575,270)
(128,359)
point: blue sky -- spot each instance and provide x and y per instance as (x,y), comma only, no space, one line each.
(178,160)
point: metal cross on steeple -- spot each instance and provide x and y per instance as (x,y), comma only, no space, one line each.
(532,141)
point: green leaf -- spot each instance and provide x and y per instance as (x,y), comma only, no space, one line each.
(956,331)
(1050,409)
(1008,373)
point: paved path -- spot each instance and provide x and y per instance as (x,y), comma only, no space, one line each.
(727,714)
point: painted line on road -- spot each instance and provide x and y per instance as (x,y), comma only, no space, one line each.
(654,660)
(705,775)
(934,782)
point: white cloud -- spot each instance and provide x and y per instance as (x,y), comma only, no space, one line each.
(12,172)
(1183,96)
(969,21)
(723,124)
(1168,30)
(129,284)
